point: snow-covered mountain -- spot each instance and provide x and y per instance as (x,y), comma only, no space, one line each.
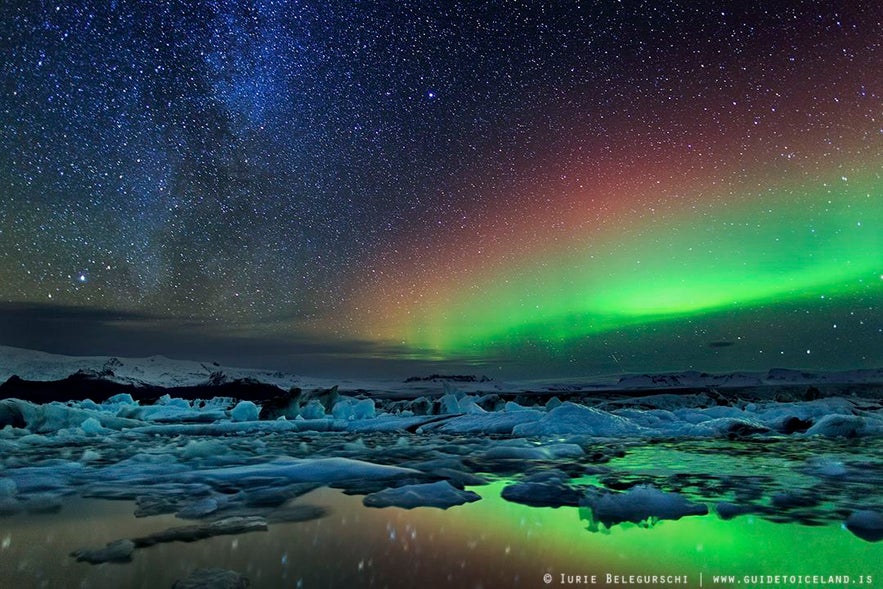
(154,370)
(159,371)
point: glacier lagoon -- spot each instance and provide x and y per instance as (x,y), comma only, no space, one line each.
(689,480)
(491,542)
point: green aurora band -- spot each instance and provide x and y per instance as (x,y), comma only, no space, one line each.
(781,245)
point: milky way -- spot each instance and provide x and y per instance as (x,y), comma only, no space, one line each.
(533,187)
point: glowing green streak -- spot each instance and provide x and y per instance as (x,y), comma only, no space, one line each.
(746,545)
(795,244)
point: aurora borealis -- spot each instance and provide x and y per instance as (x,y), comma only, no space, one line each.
(784,248)
(512,187)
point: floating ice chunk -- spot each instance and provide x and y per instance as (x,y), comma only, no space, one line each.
(549,491)
(9,506)
(643,503)
(343,409)
(313,410)
(391,423)
(121,550)
(364,409)
(469,406)
(215,578)
(118,551)
(777,415)
(203,449)
(230,428)
(795,498)
(34,440)
(245,411)
(118,401)
(722,411)
(653,418)
(519,453)
(730,426)
(691,415)
(351,409)
(570,418)
(213,403)
(827,467)
(563,450)
(92,427)
(8,488)
(512,406)
(846,426)
(168,401)
(51,476)
(450,405)
(90,455)
(43,503)
(296,513)
(198,509)
(89,405)
(140,468)
(173,414)
(490,423)
(52,417)
(440,494)
(324,470)
(866,524)
(522,450)
(135,490)
(728,510)
(222,527)
(275,496)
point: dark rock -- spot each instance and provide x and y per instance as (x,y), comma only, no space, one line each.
(491,402)
(328,397)
(285,405)
(92,385)
(793,425)
(742,429)
(421,406)
(217,378)
(10,413)
(448,378)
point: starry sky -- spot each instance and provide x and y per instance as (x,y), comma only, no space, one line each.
(506,188)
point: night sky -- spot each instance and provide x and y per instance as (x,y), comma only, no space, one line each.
(506,188)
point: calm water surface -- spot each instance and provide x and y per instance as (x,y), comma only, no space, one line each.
(490,543)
